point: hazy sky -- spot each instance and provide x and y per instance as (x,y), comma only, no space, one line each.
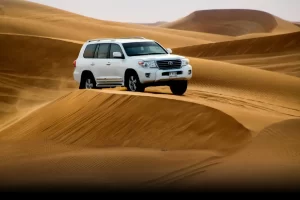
(168,10)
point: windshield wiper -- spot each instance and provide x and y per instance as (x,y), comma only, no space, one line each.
(154,53)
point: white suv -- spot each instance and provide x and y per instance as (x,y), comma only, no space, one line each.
(134,63)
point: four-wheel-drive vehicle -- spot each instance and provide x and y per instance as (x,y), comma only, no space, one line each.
(134,63)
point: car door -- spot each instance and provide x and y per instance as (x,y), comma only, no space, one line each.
(100,66)
(116,64)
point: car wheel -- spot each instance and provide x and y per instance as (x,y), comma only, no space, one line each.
(87,82)
(179,87)
(133,83)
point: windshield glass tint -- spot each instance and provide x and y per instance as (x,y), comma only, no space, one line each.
(143,48)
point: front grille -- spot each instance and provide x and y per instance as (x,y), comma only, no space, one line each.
(169,64)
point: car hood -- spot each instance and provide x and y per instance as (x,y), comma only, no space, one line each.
(158,57)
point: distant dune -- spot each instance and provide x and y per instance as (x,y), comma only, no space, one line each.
(153,24)
(34,19)
(271,44)
(236,127)
(279,53)
(297,24)
(232,22)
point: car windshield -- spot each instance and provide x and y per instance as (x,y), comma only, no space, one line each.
(143,48)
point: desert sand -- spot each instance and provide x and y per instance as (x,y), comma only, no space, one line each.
(237,126)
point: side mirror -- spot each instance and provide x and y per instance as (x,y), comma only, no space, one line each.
(117,55)
(169,50)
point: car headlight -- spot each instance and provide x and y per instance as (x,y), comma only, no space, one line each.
(185,62)
(147,64)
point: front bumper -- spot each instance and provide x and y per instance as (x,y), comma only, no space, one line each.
(156,75)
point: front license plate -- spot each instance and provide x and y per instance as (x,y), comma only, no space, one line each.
(173,74)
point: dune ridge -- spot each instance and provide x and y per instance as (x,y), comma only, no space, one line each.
(271,44)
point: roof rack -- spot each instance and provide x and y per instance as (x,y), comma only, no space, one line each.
(134,37)
(98,39)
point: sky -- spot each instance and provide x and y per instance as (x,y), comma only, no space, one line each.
(148,11)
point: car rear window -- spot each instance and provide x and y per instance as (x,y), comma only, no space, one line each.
(89,51)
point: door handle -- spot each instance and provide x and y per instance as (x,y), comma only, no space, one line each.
(93,64)
(108,63)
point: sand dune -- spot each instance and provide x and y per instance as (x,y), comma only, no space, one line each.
(256,83)
(34,19)
(221,112)
(68,125)
(278,53)
(236,127)
(232,22)
(287,63)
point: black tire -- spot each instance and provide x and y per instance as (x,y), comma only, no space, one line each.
(179,87)
(87,81)
(133,83)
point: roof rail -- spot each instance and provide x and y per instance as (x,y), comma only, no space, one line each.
(98,39)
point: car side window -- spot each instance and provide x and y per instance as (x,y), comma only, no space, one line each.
(114,48)
(102,51)
(89,51)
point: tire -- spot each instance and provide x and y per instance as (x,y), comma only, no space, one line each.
(87,82)
(179,87)
(133,83)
